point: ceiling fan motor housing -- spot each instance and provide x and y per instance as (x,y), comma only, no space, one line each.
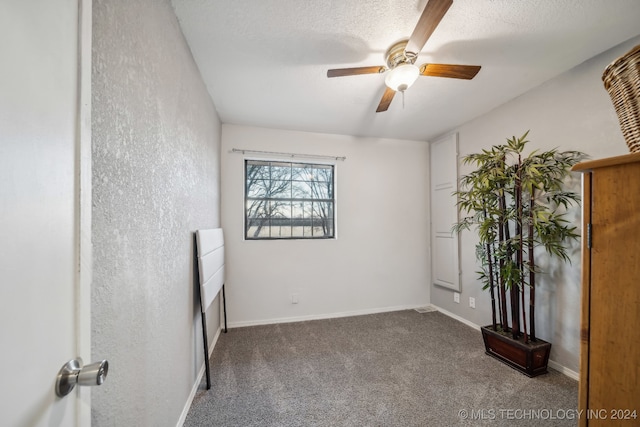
(397,55)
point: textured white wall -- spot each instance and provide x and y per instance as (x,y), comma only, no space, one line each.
(156,139)
(380,259)
(573,112)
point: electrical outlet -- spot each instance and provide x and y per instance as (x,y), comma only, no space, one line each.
(472,302)
(456,297)
(294,298)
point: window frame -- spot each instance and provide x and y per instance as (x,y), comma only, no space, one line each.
(291,162)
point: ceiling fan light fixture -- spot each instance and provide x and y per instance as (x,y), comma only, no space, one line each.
(402,77)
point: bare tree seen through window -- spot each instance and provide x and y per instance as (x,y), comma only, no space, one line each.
(286,200)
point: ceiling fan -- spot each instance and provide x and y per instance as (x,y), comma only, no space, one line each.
(400,68)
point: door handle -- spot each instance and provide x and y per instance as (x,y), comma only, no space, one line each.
(73,373)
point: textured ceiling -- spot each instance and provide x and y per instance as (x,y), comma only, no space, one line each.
(265,61)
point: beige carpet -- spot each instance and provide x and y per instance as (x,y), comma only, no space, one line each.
(392,369)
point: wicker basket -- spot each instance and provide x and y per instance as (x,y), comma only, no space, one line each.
(622,81)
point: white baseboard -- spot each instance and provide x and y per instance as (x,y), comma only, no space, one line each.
(564,370)
(455,316)
(552,364)
(242,324)
(196,385)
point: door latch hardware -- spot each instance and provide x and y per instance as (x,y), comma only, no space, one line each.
(73,373)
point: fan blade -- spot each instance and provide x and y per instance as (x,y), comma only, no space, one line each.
(340,72)
(466,72)
(386,100)
(431,16)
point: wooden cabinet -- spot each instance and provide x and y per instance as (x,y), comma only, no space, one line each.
(610,331)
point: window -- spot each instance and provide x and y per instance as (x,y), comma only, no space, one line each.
(287,200)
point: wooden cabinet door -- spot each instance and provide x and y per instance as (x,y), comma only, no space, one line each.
(614,302)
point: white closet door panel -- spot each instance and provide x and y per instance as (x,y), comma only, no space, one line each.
(444,213)
(445,272)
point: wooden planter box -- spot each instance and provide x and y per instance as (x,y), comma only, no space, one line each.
(531,359)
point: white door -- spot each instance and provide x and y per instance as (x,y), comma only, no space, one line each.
(444,213)
(45,266)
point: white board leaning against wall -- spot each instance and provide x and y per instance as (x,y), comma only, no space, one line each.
(210,254)
(445,271)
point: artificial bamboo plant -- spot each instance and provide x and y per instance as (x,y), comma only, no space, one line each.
(517,203)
